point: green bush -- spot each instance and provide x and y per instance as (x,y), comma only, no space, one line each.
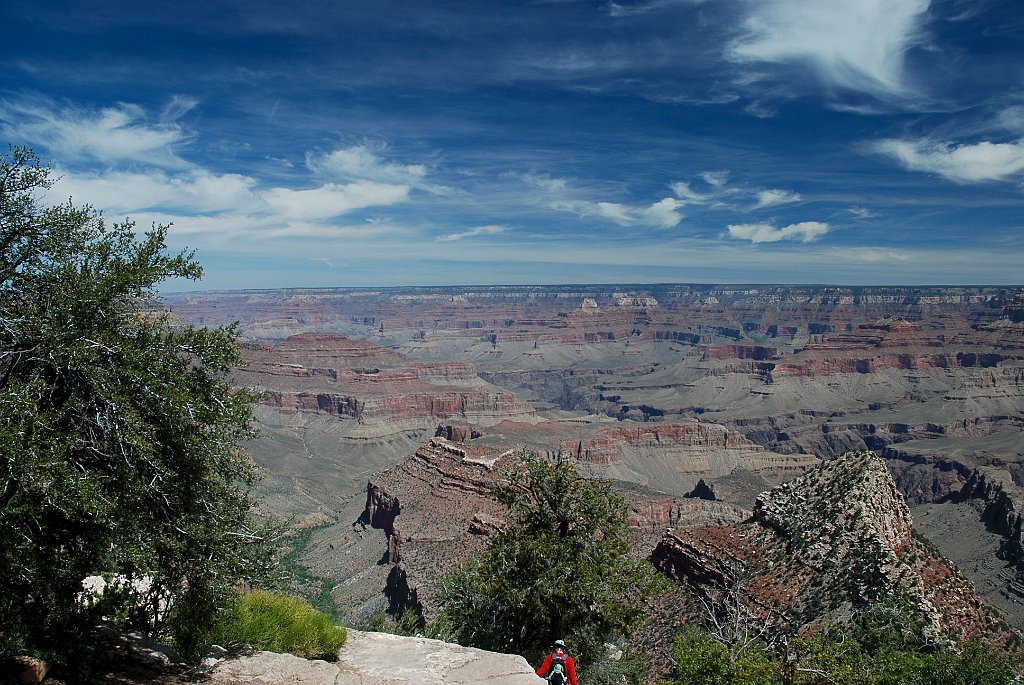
(843,655)
(702,660)
(278,623)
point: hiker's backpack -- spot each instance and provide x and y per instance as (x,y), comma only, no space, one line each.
(558,676)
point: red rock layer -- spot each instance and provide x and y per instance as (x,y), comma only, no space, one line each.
(356,379)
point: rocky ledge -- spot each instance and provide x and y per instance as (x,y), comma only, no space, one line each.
(367,658)
(380,659)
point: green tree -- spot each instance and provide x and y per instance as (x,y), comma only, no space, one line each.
(975,664)
(560,569)
(119,430)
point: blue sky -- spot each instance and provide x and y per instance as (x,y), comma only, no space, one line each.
(381,142)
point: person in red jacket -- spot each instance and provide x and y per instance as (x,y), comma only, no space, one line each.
(558,667)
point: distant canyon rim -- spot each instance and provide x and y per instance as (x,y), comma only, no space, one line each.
(692,399)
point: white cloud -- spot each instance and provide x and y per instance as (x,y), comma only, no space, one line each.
(715,178)
(1012,118)
(856,44)
(561,197)
(230,209)
(361,163)
(111,135)
(201,192)
(973,163)
(874,255)
(618,213)
(331,200)
(687,194)
(805,231)
(773,197)
(473,232)
(547,183)
(177,107)
(664,213)
(193,192)
(862,212)
(713,188)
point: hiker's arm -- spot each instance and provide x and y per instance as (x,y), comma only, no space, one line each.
(545,667)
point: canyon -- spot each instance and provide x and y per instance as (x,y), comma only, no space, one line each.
(386,412)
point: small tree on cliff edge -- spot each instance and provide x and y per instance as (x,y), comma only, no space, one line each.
(560,569)
(119,433)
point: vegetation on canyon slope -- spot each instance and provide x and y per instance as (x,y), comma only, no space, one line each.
(119,432)
(885,643)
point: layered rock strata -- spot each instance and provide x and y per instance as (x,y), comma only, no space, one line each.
(933,378)
(435,511)
(357,380)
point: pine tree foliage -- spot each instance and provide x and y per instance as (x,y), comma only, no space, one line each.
(119,432)
(560,569)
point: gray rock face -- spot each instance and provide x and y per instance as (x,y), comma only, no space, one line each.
(270,668)
(381,659)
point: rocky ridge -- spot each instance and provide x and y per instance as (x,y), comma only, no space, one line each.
(824,544)
(433,512)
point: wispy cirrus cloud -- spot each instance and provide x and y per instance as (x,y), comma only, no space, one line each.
(560,196)
(688,195)
(625,9)
(332,200)
(859,45)
(362,162)
(875,255)
(121,133)
(189,192)
(473,232)
(126,162)
(205,206)
(966,163)
(862,212)
(717,191)
(716,178)
(805,231)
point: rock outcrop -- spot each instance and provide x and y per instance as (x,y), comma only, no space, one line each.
(380,659)
(447,514)
(824,544)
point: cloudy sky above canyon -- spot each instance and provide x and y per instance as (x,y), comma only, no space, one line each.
(383,142)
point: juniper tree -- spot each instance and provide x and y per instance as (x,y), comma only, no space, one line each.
(119,429)
(560,569)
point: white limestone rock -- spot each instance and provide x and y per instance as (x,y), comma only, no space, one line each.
(381,659)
